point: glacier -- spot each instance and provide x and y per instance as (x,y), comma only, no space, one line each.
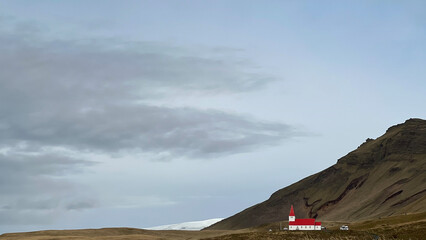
(191,226)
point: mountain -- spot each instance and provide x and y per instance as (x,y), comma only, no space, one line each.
(197,225)
(382,177)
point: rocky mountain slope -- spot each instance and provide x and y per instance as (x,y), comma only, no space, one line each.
(382,177)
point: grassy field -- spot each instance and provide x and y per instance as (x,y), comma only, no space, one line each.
(411,226)
(113,234)
(409,231)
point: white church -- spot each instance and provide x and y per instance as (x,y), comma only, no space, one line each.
(302,224)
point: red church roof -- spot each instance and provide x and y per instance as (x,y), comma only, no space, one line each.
(307,221)
(291,211)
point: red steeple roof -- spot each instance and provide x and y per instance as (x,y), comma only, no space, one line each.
(291,211)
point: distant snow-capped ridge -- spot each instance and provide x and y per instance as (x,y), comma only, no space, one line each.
(197,225)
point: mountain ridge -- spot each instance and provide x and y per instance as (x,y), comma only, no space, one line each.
(382,177)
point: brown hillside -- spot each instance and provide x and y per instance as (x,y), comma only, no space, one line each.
(382,177)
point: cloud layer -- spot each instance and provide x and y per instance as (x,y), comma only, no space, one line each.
(96,97)
(93,96)
(34,186)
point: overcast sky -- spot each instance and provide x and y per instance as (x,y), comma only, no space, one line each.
(145,113)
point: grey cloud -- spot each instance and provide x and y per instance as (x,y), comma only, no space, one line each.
(104,71)
(88,96)
(36,185)
(79,205)
(39,164)
(29,173)
(181,131)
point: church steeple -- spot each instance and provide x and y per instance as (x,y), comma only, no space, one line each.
(291,216)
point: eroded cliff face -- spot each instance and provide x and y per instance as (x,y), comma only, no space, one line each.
(382,177)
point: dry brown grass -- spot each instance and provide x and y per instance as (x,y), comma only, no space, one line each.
(411,226)
(416,231)
(114,234)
